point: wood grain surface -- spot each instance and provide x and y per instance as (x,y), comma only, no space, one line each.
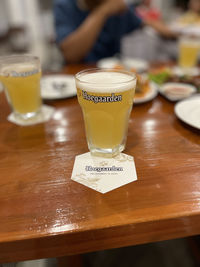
(45,214)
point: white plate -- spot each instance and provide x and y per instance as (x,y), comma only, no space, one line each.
(58,86)
(189,111)
(167,91)
(129,63)
(109,62)
(152,93)
(135,63)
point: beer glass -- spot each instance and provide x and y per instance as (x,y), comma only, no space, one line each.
(188,51)
(20,75)
(106,98)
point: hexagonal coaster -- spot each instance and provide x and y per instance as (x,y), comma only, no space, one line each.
(104,174)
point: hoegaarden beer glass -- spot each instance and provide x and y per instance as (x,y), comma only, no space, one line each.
(20,75)
(106,98)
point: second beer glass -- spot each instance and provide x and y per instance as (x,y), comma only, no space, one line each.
(20,75)
(106,98)
(188,52)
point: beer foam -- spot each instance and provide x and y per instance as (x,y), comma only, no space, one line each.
(106,82)
(17,68)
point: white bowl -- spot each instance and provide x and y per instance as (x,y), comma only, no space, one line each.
(177,91)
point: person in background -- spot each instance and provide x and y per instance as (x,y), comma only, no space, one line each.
(88,30)
(146,11)
(192,15)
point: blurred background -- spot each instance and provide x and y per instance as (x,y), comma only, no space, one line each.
(28,26)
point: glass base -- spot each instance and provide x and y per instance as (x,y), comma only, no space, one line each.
(106,152)
(43,115)
(26,116)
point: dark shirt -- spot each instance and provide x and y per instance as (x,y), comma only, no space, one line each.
(68,17)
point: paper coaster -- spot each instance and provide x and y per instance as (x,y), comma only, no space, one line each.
(44,115)
(104,174)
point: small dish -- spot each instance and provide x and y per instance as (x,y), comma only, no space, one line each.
(58,86)
(176,91)
(195,71)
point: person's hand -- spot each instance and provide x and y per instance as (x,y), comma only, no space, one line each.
(113,7)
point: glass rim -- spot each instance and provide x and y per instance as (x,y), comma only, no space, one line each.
(189,38)
(93,70)
(7,58)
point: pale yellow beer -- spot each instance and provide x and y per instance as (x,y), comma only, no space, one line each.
(106,99)
(23,100)
(188,52)
(21,79)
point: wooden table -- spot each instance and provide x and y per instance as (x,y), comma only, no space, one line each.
(45,214)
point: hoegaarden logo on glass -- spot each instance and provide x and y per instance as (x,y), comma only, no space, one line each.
(23,74)
(102,99)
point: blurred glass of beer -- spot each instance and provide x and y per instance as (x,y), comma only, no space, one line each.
(188,51)
(106,98)
(20,75)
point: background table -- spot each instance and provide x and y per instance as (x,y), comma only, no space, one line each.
(45,214)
